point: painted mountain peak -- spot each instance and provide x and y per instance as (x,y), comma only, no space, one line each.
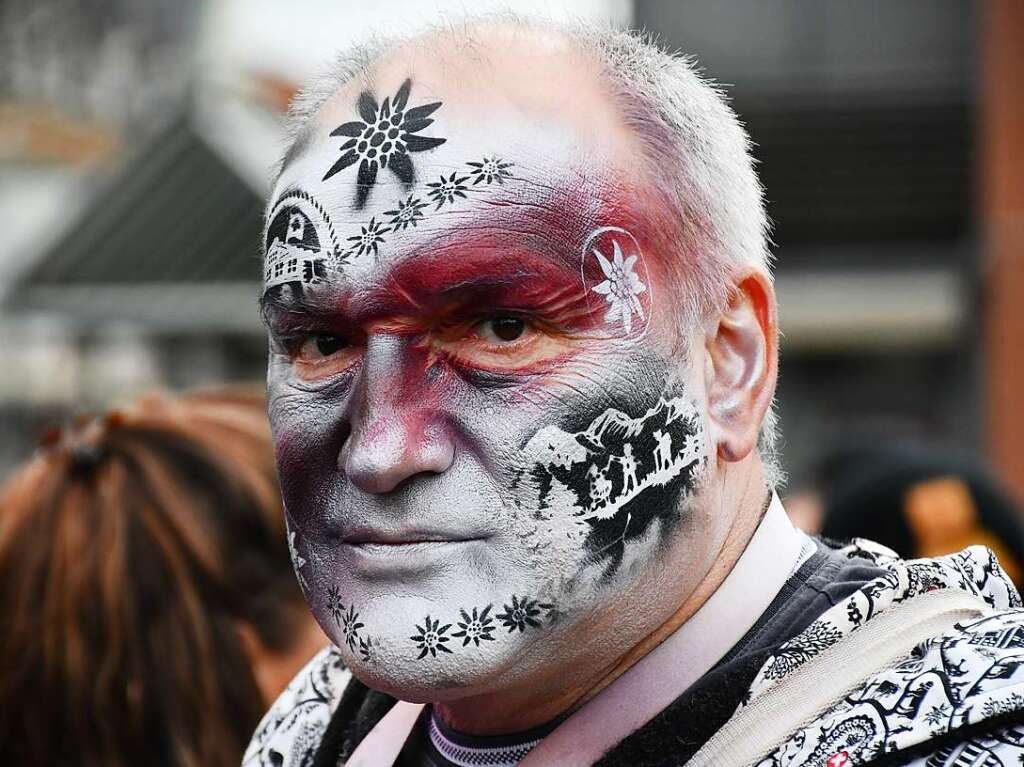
(619,475)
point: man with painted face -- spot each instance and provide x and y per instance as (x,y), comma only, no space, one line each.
(523,353)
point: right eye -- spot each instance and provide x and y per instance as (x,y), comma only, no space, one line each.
(321,355)
(503,330)
(322,346)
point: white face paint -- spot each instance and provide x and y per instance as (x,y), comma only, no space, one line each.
(484,444)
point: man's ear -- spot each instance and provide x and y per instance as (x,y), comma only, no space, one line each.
(741,365)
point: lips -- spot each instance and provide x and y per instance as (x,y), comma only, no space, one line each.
(375,537)
(405,556)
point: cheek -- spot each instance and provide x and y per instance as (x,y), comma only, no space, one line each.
(609,479)
(306,445)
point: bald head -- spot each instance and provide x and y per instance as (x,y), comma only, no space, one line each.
(690,143)
(506,73)
(538,72)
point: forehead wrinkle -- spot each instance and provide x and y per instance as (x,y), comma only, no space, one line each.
(472,264)
(534,228)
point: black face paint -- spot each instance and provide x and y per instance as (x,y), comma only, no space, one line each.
(347,619)
(369,650)
(476,627)
(408,212)
(350,626)
(444,191)
(300,240)
(521,614)
(301,243)
(431,638)
(489,169)
(622,473)
(384,138)
(368,240)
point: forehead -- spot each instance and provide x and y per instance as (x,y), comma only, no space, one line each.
(435,147)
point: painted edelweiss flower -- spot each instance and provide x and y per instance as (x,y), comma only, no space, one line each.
(489,169)
(620,288)
(334,605)
(431,638)
(368,240)
(447,189)
(406,214)
(522,613)
(383,139)
(350,626)
(476,627)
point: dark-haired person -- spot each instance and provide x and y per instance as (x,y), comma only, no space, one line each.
(523,352)
(920,501)
(148,612)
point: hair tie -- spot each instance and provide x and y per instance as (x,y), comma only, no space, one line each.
(85,458)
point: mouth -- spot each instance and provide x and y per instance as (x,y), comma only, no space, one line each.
(382,539)
(405,556)
(406,549)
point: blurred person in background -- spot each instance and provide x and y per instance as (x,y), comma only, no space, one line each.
(919,500)
(148,608)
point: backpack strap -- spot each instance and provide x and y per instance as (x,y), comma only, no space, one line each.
(763,725)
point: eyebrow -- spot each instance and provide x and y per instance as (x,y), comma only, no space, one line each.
(287,300)
(546,232)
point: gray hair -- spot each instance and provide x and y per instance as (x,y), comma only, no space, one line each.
(694,145)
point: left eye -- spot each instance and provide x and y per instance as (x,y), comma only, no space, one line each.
(502,329)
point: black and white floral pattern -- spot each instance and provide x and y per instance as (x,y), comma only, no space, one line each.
(369,650)
(523,613)
(998,749)
(350,626)
(291,731)
(431,638)
(408,213)
(475,627)
(384,138)
(369,239)
(817,637)
(444,191)
(334,605)
(971,674)
(489,170)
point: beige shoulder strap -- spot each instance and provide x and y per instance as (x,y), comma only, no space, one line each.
(759,728)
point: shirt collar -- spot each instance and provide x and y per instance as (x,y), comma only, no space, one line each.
(773,555)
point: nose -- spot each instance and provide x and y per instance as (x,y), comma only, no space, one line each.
(397,433)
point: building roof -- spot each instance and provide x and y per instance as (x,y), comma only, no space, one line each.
(171,239)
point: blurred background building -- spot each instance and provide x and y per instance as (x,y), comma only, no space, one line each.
(136,141)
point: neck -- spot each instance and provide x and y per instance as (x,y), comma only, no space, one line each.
(541,701)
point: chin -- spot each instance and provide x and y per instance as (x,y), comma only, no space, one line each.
(429,680)
(448,636)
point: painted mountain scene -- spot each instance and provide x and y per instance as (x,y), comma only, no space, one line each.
(620,475)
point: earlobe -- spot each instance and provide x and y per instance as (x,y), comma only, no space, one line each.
(741,365)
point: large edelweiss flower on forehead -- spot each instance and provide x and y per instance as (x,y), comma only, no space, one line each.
(621,287)
(383,139)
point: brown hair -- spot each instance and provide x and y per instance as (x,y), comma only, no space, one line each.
(130,549)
